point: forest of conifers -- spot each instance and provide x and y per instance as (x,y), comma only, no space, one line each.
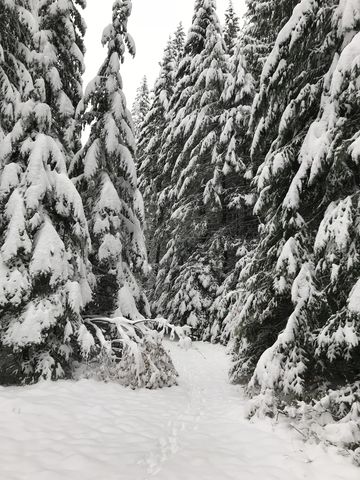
(227,203)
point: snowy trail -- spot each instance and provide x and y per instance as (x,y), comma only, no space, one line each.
(94,431)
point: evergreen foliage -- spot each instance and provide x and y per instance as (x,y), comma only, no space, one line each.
(43,231)
(132,353)
(151,162)
(12,70)
(263,21)
(149,145)
(233,181)
(298,331)
(107,180)
(45,243)
(141,106)
(178,42)
(231,28)
(66,29)
(189,156)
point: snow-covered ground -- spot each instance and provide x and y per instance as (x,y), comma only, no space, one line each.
(197,431)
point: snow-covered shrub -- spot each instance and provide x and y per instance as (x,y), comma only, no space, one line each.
(131,352)
(265,404)
(334,418)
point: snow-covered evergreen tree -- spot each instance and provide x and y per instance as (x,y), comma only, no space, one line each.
(149,146)
(13,75)
(66,29)
(329,159)
(140,106)
(233,174)
(107,179)
(43,231)
(263,21)
(231,28)
(301,305)
(179,43)
(188,277)
(150,143)
(7,17)
(232,179)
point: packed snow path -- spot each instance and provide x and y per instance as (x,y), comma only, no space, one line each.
(197,431)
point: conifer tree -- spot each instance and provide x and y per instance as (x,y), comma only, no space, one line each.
(66,30)
(188,277)
(108,181)
(178,43)
(6,86)
(13,75)
(233,174)
(327,178)
(307,187)
(263,21)
(43,231)
(149,145)
(231,28)
(233,181)
(140,106)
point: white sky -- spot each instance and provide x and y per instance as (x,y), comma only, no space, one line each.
(151,23)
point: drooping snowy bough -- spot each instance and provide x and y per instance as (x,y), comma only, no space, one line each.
(130,352)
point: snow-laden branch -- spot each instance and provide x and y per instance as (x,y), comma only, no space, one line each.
(131,352)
